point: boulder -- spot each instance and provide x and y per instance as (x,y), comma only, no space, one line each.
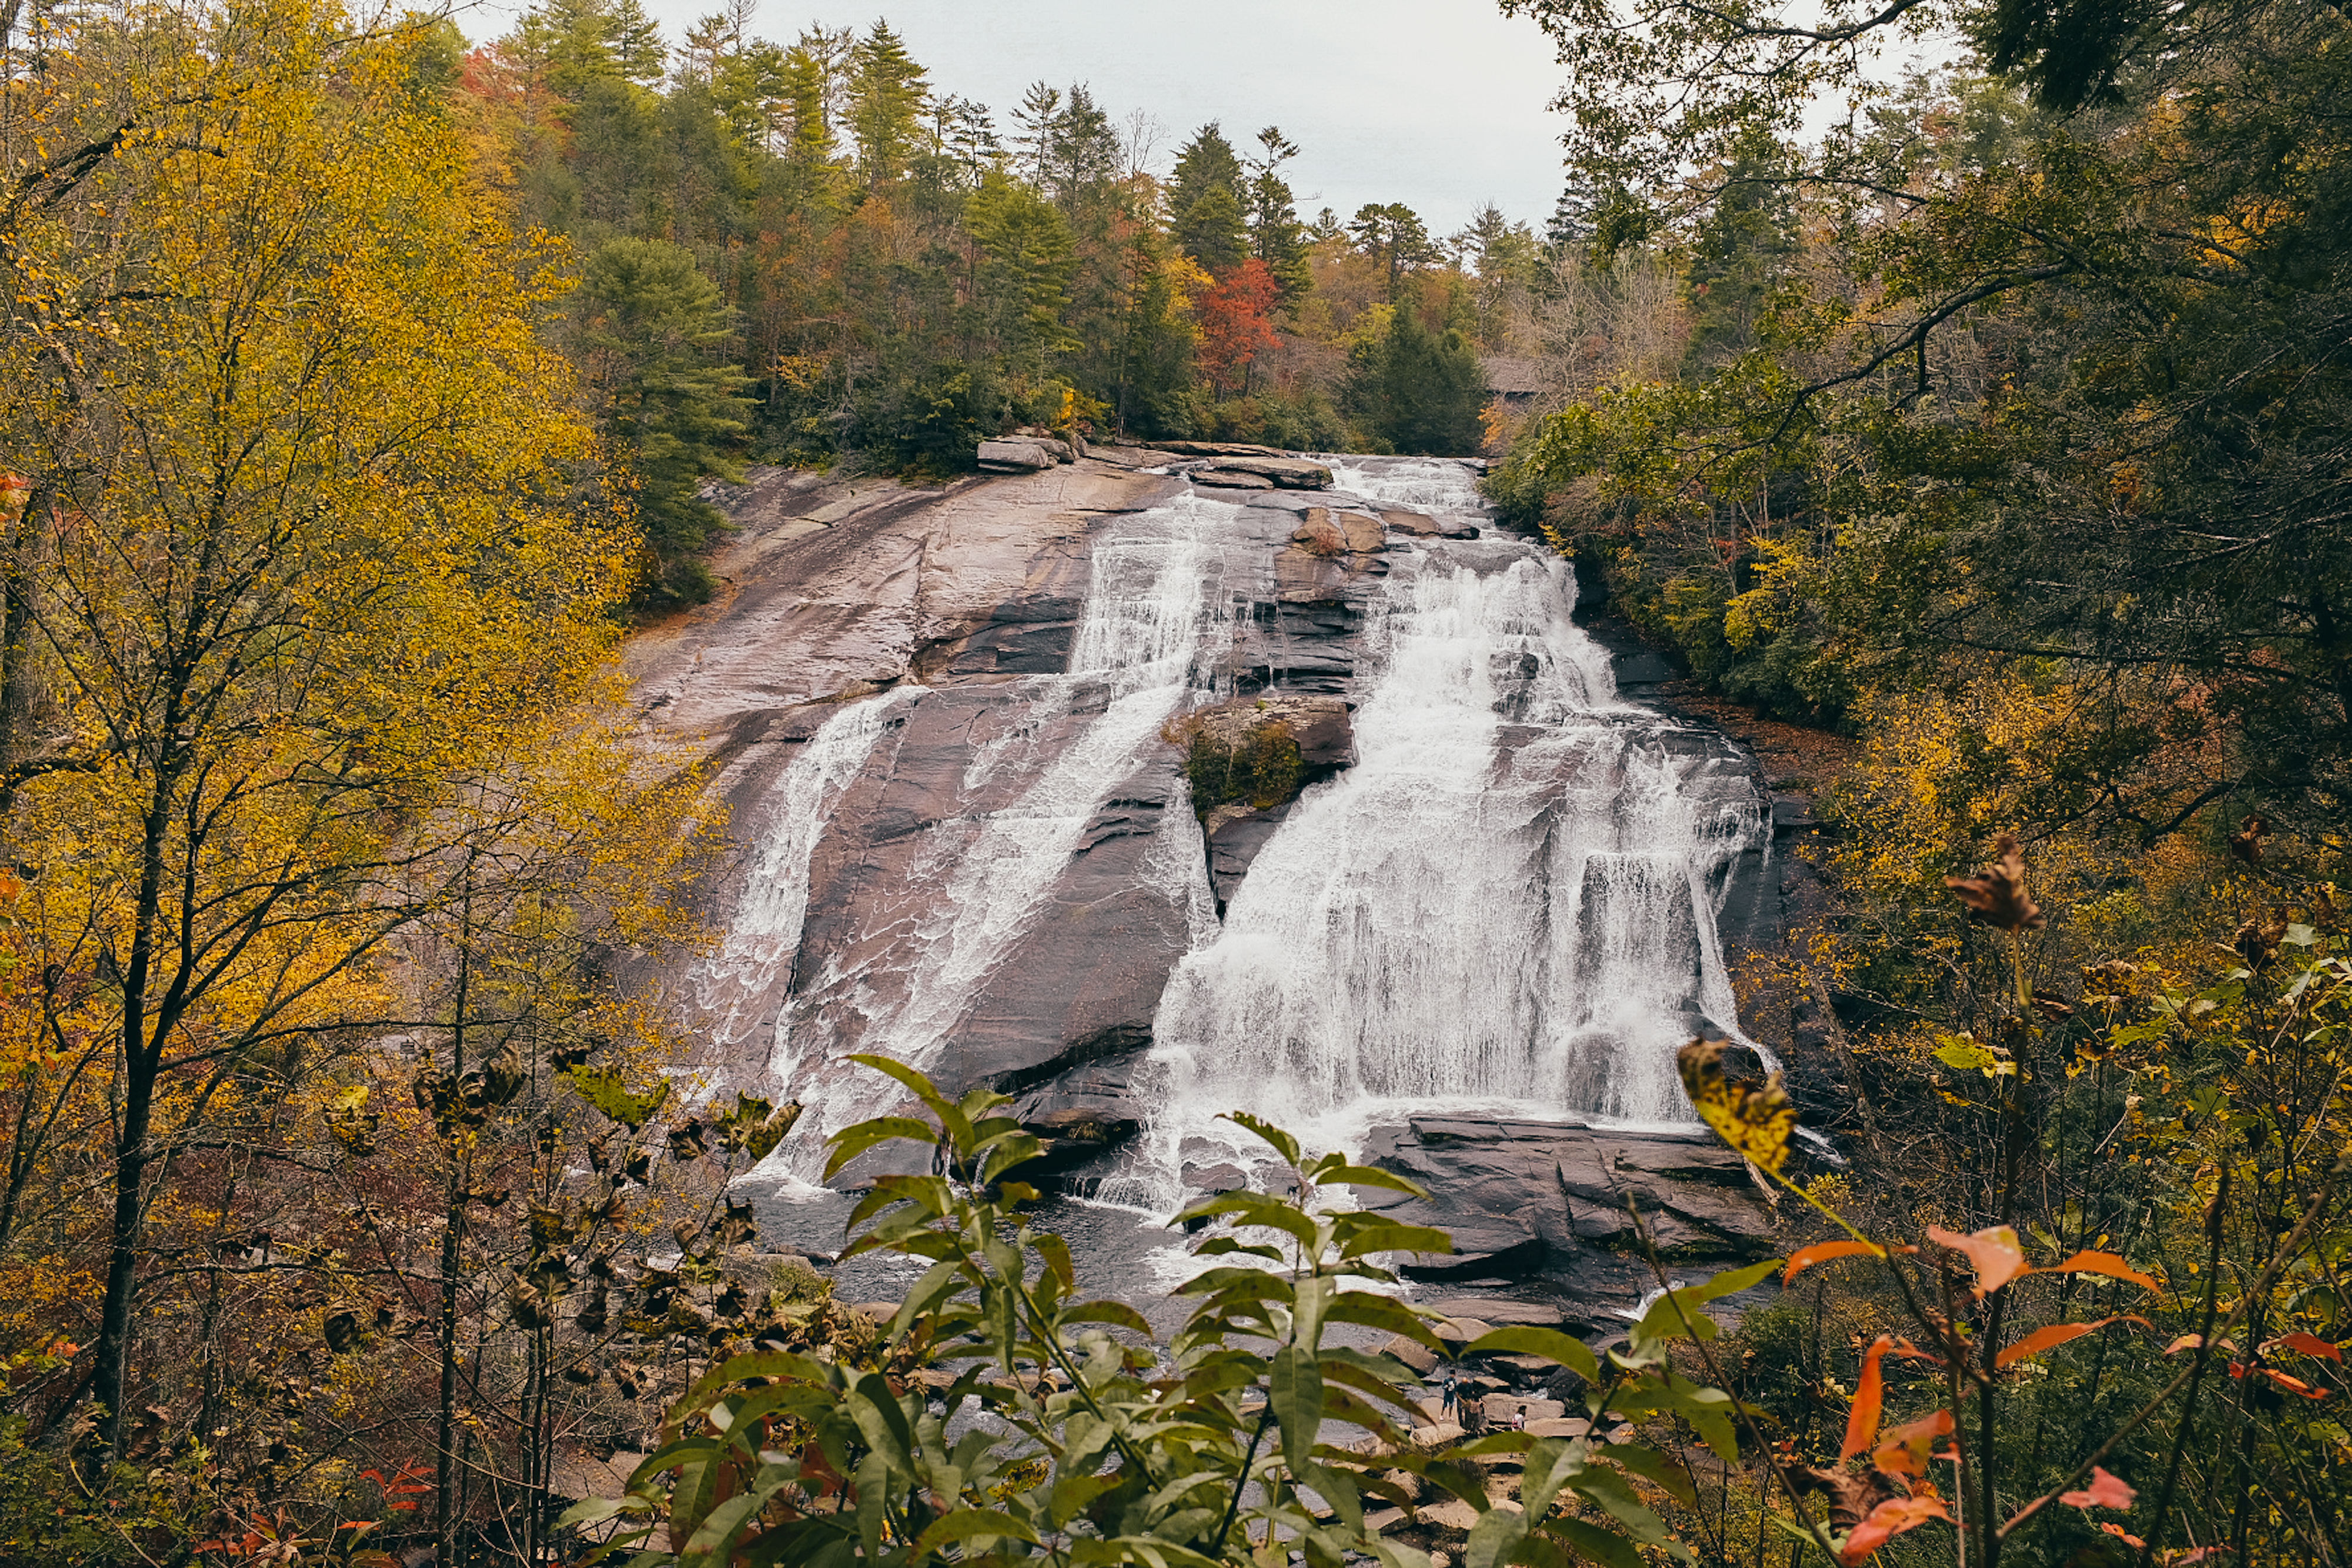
(1423,527)
(1364,535)
(1218,449)
(1303,576)
(1233,480)
(1022,456)
(1319,535)
(1320,724)
(1413,1353)
(1290,472)
(1544,1199)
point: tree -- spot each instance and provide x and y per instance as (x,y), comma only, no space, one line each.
(1276,236)
(885,96)
(1393,236)
(1415,390)
(1235,330)
(310,555)
(653,325)
(1205,202)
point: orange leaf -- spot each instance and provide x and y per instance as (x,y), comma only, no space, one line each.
(1887,1521)
(2104,1491)
(2309,1344)
(1994,1251)
(2106,1263)
(2126,1536)
(1869,1396)
(2040,1340)
(1905,1450)
(2294,1385)
(1822,1252)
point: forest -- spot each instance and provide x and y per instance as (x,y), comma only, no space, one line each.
(1981,455)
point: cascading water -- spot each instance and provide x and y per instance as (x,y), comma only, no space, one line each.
(1508,904)
(1150,610)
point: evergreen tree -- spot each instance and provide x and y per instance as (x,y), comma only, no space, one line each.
(1393,236)
(1745,239)
(1416,391)
(1205,202)
(887,94)
(653,326)
(1276,236)
(1036,121)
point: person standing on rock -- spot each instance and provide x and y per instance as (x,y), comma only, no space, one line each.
(1449,1402)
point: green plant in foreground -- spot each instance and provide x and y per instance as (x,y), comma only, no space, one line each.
(1017,1421)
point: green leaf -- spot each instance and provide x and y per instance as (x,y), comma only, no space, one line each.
(1592,1541)
(971,1524)
(1283,1142)
(1368,1175)
(852,1141)
(1653,1466)
(1295,1390)
(1494,1537)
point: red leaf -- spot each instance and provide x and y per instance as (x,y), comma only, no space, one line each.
(1994,1251)
(1822,1252)
(1907,1448)
(2294,1384)
(1869,1396)
(2106,1263)
(2309,1344)
(1887,1521)
(2040,1340)
(2104,1491)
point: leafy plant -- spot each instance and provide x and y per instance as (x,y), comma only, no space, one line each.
(1015,1419)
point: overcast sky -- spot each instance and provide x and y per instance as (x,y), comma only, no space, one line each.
(1438,104)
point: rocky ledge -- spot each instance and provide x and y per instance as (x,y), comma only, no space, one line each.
(1556,1200)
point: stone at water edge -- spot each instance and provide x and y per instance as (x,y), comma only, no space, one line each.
(1364,535)
(1290,472)
(1319,724)
(1413,1353)
(1233,481)
(1319,535)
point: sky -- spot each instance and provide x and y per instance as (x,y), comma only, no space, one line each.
(1439,104)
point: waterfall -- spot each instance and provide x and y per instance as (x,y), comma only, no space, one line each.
(1148,614)
(733,987)
(1507,905)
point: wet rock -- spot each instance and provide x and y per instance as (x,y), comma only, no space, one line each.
(1218,449)
(1423,527)
(1289,473)
(1303,576)
(1319,535)
(1528,1199)
(1235,834)
(1364,534)
(1320,724)
(1232,479)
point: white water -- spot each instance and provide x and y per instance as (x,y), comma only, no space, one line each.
(733,986)
(1148,613)
(1508,904)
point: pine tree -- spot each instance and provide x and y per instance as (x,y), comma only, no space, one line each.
(1392,235)
(1036,125)
(1418,391)
(1205,202)
(887,93)
(1276,236)
(654,327)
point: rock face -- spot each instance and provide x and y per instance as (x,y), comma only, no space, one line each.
(1287,473)
(950,728)
(1021,455)
(1531,1199)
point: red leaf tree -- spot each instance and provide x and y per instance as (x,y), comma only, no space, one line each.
(1234,327)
